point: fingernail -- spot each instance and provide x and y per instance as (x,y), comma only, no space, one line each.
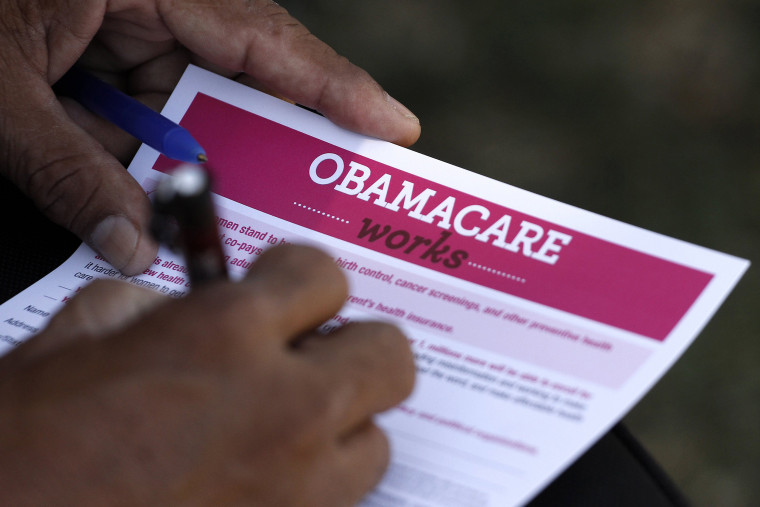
(400,108)
(115,238)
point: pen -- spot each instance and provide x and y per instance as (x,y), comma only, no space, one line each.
(184,217)
(130,115)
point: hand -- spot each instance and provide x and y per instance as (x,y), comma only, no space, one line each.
(68,160)
(225,397)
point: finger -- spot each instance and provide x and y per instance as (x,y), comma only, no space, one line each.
(371,368)
(72,178)
(241,78)
(117,50)
(362,458)
(146,70)
(66,173)
(159,75)
(294,288)
(114,140)
(259,38)
(102,308)
(150,83)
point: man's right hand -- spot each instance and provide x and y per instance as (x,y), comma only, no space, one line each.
(225,397)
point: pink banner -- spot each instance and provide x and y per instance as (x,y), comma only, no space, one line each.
(309,182)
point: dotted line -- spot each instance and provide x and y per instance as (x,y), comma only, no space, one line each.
(318,212)
(497,272)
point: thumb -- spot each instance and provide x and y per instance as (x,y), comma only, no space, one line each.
(70,176)
(264,42)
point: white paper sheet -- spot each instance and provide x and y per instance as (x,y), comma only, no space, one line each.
(536,325)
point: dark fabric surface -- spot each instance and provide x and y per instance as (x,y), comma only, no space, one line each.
(616,471)
(32,246)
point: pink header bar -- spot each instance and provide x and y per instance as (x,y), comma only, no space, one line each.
(312,183)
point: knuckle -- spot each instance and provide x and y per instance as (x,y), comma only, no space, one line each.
(276,20)
(391,339)
(397,355)
(323,403)
(239,319)
(311,416)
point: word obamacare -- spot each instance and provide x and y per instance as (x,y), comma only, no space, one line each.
(473,220)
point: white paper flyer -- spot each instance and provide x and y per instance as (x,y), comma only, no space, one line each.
(536,325)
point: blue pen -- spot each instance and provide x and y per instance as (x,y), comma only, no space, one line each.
(130,115)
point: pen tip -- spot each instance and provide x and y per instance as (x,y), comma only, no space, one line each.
(202,157)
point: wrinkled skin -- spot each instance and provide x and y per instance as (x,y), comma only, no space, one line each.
(71,163)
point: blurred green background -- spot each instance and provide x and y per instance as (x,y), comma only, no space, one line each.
(646,112)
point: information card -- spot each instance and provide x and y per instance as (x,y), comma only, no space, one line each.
(535,325)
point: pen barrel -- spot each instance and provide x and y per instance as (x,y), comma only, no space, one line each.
(197,234)
(130,115)
(199,239)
